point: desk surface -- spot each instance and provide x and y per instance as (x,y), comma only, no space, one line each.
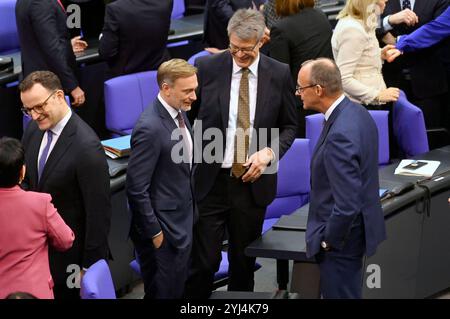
(281,244)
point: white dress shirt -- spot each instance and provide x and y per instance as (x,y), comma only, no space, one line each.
(333,106)
(56,130)
(234,97)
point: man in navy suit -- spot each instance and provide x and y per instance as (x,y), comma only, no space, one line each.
(345,216)
(159,183)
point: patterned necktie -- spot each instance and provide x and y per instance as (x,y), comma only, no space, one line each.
(406,4)
(186,141)
(44,154)
(241,139)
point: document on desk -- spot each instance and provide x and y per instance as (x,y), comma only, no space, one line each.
(417,168)
(291,222)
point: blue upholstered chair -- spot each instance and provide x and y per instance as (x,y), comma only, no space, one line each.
(409,127)
(293,184)
(97,282)
(314,128)
(9,38)
(192,59)
(126,97)
(178,9)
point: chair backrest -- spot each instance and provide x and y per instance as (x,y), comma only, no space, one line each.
(126,97)
(192,59)
(9,38)
(293,183)
(409,127)
(97,282)
(178,9)
(314,128)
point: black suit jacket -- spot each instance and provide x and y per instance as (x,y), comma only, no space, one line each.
(76,175)
(275,108)
(301,37)
(45,40)
(428,76)
(135,35)
(217,15)
(160,191)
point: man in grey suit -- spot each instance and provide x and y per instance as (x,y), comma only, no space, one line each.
(160,185)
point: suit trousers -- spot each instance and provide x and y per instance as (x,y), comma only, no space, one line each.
(228,206)
(341,271)
(164,270)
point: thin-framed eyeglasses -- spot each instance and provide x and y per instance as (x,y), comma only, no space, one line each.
(300,89)
(38,108)
(234,49)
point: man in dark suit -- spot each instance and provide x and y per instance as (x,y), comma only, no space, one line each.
(160,184)
(345,216)
(217,15)
(46,45)
(420,74)
(64,158)
(240,90)
(134,36)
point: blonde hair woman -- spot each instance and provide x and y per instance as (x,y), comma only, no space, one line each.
(357,53)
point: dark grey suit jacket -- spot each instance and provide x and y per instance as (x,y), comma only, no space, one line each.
(76,175)
(45,40)
(275,108)
(135,35)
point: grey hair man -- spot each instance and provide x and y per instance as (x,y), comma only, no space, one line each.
(240,90)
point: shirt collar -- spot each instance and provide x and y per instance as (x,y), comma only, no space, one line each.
(333,106)
(59,127)
(172,111)
(253,67)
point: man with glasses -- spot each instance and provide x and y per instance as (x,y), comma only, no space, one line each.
(240,90)
(64,158)
(345,219)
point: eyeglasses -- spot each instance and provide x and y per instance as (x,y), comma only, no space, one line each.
(39,108)
(233,49)
(299,89)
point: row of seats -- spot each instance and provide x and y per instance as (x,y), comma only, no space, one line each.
(9,38)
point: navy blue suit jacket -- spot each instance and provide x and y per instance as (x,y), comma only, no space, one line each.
(160,191)
(344,181)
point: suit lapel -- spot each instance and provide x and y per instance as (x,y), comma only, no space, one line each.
(60,148)
(34,145)
(167,120)
(327,126)
(169,124)
(264,77)
(224,87)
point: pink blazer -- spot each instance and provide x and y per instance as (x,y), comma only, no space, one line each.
(28,223)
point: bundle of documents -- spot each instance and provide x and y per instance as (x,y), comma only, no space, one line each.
(117,147)
(417,168)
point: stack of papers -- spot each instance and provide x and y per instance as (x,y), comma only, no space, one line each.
(117,147)
(417,168)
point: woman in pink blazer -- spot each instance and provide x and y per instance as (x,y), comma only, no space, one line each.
(28,224)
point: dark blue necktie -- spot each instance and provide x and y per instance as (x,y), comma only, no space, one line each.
(44,155)
(406,4)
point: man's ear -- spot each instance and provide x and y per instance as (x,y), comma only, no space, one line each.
(165,89)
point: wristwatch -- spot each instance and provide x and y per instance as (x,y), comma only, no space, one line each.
(325,246)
